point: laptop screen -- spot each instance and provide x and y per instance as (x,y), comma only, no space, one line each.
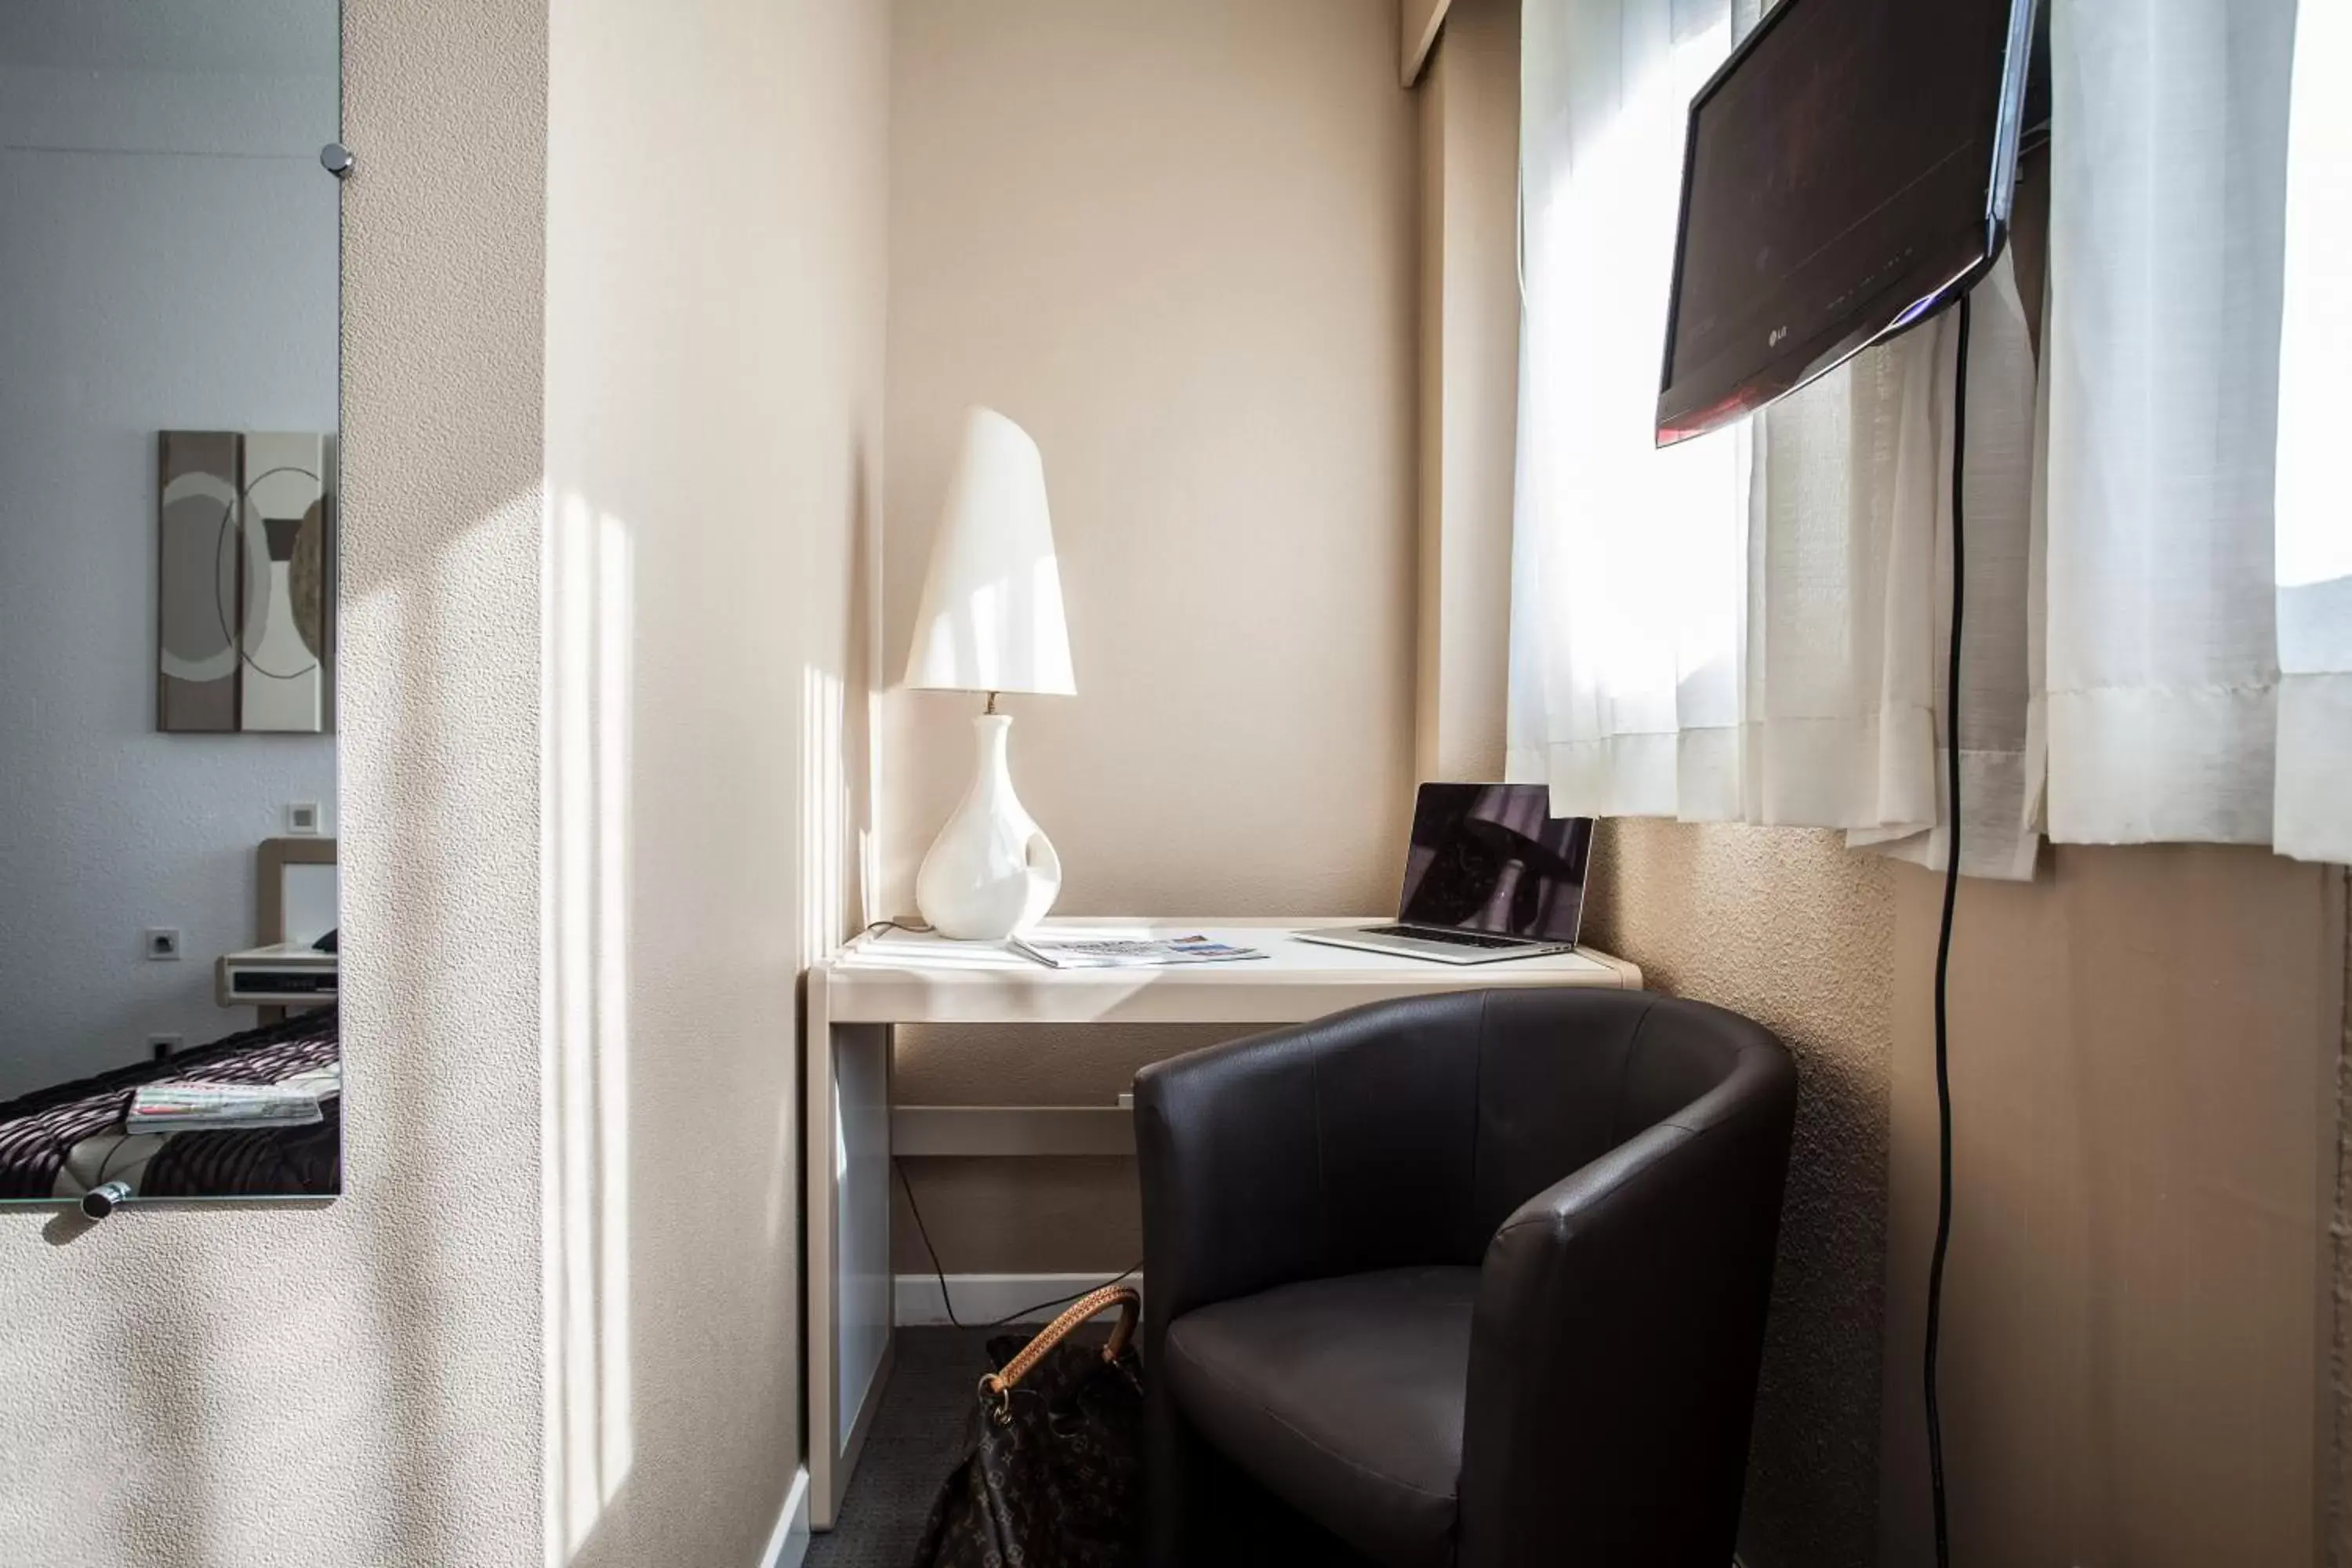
(1492,858)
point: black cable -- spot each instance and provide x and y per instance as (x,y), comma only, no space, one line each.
(913,928)
(940,1274)
(899,1169)
(1944,939)
(1015,1316)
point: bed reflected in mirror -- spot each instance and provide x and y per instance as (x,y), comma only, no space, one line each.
(169,310)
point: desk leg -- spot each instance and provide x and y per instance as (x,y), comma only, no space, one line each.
(849,1279)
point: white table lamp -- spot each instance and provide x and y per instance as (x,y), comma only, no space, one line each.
(991,621)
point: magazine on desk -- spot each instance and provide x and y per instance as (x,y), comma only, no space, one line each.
(1065,953)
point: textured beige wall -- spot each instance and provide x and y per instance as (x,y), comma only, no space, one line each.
(1176,243)
(364,1383)
(360,1384)
(2138,1323)
(2138,1310)
(1790,928)
(715,273)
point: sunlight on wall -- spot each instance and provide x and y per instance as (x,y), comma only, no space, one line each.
(871,675)
(825,815)
(824,893)
(869,842)
(586,1048)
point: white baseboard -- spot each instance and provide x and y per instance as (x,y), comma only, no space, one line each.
(789,1542)
(985,1297)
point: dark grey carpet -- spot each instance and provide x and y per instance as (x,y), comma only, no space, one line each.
(917,1438)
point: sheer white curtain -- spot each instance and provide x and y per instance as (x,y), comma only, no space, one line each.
(1751,625)
(2167,187)
(1627,565)
(2313,797)
(2200,533)
(1849,596)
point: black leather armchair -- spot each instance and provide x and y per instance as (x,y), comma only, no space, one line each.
(1466,1282)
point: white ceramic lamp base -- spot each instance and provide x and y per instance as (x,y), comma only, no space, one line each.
(991,872)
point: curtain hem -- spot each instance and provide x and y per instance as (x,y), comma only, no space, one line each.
(2313,801)
(2140,764)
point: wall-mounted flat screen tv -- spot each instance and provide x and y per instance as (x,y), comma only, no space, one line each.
(1845,174)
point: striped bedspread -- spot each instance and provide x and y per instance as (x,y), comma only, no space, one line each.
(60,1143)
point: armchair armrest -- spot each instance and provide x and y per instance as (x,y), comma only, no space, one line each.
(1616,1339)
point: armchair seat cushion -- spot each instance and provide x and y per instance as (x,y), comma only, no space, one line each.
(1344,1397)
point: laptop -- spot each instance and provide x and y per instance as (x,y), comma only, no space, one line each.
(1490,874)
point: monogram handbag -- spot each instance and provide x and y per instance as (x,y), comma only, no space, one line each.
(1053,1476)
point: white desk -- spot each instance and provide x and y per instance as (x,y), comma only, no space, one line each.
(892,977)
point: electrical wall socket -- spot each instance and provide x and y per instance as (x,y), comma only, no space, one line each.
(303,818)
(162,1045)
(162,943)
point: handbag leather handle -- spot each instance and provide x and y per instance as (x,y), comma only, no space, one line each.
(1125,1297)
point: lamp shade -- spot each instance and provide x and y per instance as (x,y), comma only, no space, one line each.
(992,612)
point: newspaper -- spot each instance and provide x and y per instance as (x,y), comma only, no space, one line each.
(1060,952)
(221,1107)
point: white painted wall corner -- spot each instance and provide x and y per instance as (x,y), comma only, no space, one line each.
(788,1543)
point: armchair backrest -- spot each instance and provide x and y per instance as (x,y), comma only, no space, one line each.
(1406,1131)
(1563,1076)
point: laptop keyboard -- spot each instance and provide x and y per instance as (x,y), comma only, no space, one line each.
(1458,938)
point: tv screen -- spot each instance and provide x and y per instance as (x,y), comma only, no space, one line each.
(1847,172)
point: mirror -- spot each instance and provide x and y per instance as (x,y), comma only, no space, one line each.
(169,244)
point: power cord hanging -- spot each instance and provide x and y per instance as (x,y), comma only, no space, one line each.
(1944,940)
(913,928)
(940,1274)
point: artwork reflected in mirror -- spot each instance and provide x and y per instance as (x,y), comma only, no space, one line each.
(245,581)
(170,939)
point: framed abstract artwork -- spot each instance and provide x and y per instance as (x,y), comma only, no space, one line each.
(245,590)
